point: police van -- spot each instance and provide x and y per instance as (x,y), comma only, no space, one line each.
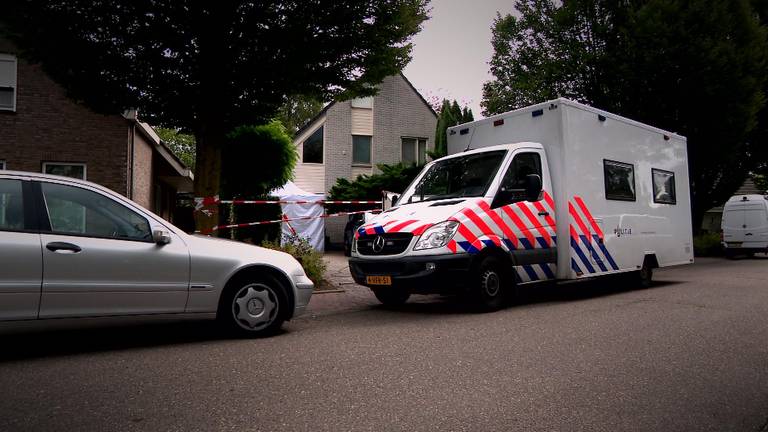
(554,191)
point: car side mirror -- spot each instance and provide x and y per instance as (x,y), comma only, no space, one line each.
(532,187)
(161,237)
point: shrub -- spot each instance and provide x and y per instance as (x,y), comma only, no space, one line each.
(308,257)
(707,245)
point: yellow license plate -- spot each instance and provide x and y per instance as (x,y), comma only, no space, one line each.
(378,280)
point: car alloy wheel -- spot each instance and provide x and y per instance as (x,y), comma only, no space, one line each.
(255,307)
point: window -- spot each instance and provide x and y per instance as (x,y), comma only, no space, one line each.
(2,164)
(77,211)
(619,180)
(11,206)
(663,186)
(414,150)
(361,149)
(363,102)
(515,178)
(7,82)
(73,170)
(456,177)
(313,147)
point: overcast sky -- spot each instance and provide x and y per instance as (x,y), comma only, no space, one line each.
(451,53)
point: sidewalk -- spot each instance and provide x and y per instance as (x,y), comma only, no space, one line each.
(346,297)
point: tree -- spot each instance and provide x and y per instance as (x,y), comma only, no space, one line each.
(296,111)
(256,160)
(210,67)
(697,68)
(181,144)
(450,114)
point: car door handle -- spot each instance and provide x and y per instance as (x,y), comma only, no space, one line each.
(544,213)
(748,234)
(63,247)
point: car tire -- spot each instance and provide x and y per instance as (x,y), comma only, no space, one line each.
(729,254)
(644,276)
(391,296)
(253,307)
(488,290)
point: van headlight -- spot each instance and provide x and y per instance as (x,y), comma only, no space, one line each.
(437,236)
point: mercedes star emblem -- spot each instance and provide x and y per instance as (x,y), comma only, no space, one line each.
(378,244)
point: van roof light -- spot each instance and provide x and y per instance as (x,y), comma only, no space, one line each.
(601,117)
(464,131)
(498,122)
(537,113)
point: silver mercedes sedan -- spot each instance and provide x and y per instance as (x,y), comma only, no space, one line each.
(70,248)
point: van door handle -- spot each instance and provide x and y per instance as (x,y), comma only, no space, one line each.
(748,234)
(544,213)
(63,247)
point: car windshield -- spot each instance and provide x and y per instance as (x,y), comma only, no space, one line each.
(464,176)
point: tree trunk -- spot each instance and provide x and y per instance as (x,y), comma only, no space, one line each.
(207,179)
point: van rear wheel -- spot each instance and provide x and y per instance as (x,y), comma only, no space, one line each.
(644,277)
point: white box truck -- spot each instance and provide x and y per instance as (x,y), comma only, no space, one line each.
(554,191)
(745,225)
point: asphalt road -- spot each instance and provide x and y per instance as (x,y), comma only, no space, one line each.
(690,354)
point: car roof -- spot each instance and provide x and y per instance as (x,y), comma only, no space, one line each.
(40,176)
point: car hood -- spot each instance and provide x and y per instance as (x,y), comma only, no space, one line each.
(204,249)
(416,217)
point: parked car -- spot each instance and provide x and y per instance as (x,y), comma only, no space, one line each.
(353,222)
(70,248)
(555,191)
(745,225)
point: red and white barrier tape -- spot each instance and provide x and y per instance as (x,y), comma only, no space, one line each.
(202,202)
(285,219)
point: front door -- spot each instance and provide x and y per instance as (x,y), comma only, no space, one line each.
(21,266)
(99,258)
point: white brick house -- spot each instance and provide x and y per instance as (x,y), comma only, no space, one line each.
(350,138)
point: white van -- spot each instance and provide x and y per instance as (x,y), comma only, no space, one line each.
(554,191)
(745,225)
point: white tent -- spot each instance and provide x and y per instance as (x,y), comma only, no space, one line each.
(311,229)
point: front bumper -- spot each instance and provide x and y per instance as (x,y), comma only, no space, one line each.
(420,274)
(303,294)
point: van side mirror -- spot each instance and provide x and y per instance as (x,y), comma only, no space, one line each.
(532,187)
(161,237)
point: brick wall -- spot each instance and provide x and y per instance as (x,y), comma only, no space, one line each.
(49,127)
(143,173)
(398,111)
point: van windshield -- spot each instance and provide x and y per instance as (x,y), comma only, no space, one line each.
(464,176)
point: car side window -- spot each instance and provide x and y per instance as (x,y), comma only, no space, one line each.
(77,211)
(514,181)
(11,206)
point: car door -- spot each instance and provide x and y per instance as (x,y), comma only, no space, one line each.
(21,267)
(99,258)
(756,225)
(734,226)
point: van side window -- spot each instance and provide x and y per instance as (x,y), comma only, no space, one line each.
(514,180)
(663,186)
(619,180)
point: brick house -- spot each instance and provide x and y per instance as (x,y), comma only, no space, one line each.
(350,138)
(41,130)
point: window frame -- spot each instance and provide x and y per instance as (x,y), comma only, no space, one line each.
(605,181)
(370,151)
(674,186)
(82,164)
(14,83)
(322,153)
(47,228)
(415,148)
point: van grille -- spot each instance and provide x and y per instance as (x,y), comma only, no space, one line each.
(394,243)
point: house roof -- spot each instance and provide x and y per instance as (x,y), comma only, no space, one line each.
(329,105)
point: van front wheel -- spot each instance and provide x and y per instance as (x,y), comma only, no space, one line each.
(489,284)
(391,296)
